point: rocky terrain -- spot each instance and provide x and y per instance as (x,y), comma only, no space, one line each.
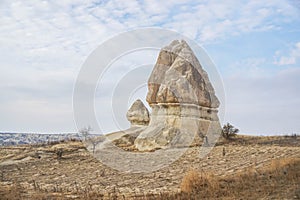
(29,171)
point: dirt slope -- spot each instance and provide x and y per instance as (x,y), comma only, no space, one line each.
(35,171)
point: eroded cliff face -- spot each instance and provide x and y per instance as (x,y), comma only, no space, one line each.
(183,101)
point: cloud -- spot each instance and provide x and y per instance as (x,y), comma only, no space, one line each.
(44,43)
(291,58)
(252,67)
(74,26)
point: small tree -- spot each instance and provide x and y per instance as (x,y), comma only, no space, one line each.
(95,141)
(229,131)
(90,139)
(85,132)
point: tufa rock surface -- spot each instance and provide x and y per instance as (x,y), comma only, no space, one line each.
(138,114)
(178,77)
(183,101)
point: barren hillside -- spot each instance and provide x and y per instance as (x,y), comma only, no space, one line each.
(36,172)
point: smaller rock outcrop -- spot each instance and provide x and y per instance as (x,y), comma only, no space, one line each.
(138,114)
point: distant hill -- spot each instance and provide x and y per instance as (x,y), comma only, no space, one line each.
(7,139)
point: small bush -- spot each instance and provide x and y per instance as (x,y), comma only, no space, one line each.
(229,131)
(59,153)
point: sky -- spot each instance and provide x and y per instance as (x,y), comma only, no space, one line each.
(255,46)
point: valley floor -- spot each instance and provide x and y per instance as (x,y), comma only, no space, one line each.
(36,172)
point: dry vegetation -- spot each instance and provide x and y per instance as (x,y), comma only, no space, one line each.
(253,168)
(279,179)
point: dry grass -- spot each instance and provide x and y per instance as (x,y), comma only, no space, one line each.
(287,140)
(12,192)
(279,179)
(195,181)
(276,179)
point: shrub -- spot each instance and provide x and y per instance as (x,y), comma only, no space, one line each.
(229,131)
(59,153)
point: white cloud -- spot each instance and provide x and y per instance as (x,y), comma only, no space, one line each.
(251,67)
(291,58)
(44,43)
(286,60)
(78,27)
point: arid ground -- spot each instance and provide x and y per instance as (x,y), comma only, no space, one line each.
(242,168)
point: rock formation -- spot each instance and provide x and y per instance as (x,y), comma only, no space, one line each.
(178,77)
(184,113)
(138,114)
(183,101)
